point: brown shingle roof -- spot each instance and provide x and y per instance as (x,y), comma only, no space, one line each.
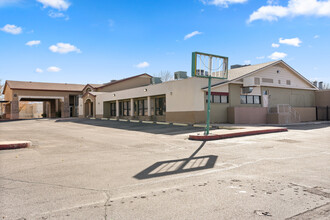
(44,86)
(96,85)
(121,80)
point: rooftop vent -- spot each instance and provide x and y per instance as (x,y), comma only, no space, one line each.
(113,80)
(156,80)
(321,85)
(238,66)
(180,75)
(201,72)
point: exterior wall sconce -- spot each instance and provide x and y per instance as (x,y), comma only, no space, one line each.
(145,90)
(114,94)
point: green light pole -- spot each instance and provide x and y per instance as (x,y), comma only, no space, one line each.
(207,129)
(194,73)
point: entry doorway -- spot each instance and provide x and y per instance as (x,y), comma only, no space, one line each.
(89,108)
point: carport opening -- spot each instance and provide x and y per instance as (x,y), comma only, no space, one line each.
(29,110)
(39,108)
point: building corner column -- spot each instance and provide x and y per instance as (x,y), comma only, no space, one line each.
(14,108)
(149,106)
(132,108)
(117,108)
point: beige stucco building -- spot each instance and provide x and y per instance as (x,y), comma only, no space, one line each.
(271,92)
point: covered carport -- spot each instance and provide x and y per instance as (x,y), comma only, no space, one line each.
(59,99)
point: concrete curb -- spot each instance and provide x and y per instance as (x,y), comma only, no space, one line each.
(162,123)
(147,122)
(237,134)
(159,123)
(14,145)
(180,124)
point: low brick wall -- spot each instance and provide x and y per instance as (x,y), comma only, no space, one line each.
(306,113)
(247,115)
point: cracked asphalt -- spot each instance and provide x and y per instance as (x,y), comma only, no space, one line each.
(85,169)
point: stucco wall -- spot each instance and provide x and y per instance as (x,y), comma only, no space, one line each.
(322,98)
(280,74)
(247,115)
(306,114)
(186,117)
(181,95)
(218,112)
(8,94)
(293,97)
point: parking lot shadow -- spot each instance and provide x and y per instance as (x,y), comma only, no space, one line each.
(142,127)
(171,167)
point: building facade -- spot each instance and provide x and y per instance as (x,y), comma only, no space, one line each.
(271,92)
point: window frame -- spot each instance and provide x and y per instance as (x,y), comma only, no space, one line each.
(160,106)
(218,94)
(253,99)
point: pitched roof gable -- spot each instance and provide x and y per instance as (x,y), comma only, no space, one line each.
(122,80)
(242,72)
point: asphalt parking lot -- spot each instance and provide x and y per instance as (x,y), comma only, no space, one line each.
(94,169)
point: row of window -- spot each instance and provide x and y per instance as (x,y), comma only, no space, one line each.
(250,99)
(218,99)
(157,107)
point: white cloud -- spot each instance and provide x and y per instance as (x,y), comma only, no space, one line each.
(62,5)
(38,70)
(316,36)
(247,62)
(277,55)
(293,9)
(54,14)
(33,42)
(64,48)
(191,35)
(223,3)
(53,69)
(4,3)
(292,42)
(275,45)
(143,65)
(261,57)
(273,2)
(12,29)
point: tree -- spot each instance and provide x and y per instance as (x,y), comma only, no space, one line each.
(1,88)
(326,86)
(165,75)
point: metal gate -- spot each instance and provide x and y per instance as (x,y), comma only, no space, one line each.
(322,113)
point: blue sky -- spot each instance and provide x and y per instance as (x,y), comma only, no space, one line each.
(84,41)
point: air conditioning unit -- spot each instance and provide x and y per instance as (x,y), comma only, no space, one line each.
(180,75)
(156,80)
(247,90)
